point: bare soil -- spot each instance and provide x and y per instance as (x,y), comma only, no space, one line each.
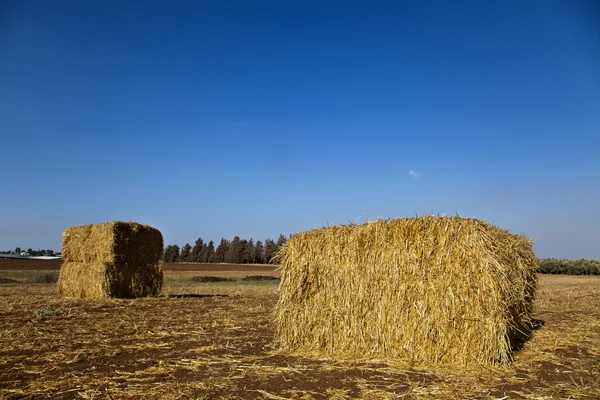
(23,264)
(215,341)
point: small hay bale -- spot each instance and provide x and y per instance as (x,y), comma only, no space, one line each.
(114,259)
(428,291)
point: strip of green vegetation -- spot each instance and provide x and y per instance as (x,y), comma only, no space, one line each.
(569,267)
(24,275)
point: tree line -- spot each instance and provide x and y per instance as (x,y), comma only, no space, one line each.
(569,267)
(242,251)
(235,251)
(30,252)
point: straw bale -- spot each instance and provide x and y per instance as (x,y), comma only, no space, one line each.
(112,242)
(115,259)
(427,290)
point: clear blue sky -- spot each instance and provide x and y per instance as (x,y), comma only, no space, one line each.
(223,118)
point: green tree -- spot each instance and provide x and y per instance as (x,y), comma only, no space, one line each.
(186,253)
(234,252)
(196,254)
(221,251)
(570,267)
(259,251)
(281,241)
(171,253)
(243,251)
(249,252)
(270,250)
(211,252)
(204,253)
(18,250)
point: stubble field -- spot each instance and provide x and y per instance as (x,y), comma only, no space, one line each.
(215,341)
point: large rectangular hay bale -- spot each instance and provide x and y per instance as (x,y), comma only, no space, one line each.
(114,259)
(428,290)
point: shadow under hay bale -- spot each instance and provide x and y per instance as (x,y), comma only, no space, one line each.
(428,291)
(260,278)
(51,277)
(115,259)
(194,296)
(210,279)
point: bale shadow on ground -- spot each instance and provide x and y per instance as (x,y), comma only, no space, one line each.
(210,279)
(260,278)
(518,343)
(193,296)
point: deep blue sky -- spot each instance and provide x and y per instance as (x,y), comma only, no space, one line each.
(223,118)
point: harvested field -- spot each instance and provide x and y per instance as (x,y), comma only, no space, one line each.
(215,341)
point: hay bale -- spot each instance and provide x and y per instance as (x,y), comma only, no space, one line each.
(114,259)
(429,291)
(112,242)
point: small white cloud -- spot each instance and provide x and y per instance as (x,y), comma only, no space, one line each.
(414,174)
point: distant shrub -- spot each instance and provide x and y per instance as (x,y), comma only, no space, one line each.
(209,279)
(569,267)
(51,277)
(260,278)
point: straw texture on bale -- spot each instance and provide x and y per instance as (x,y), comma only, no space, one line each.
(428,291)
(114,259)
